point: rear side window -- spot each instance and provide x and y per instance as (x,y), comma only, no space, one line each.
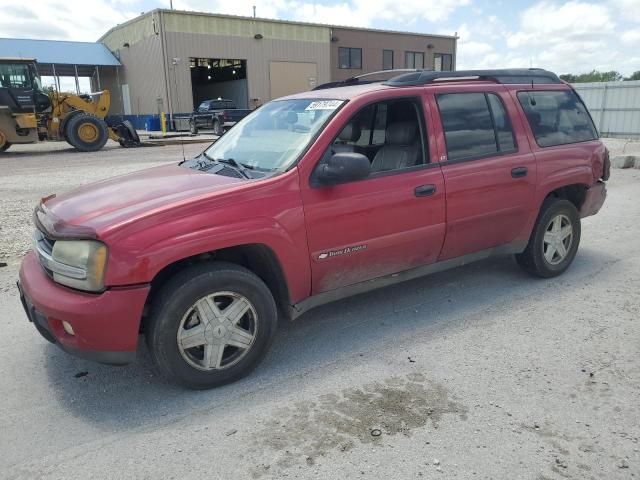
(475,125)
(557,117)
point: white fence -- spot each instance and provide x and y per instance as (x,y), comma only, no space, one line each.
(614,106)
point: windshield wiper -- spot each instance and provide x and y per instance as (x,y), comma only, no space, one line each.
(201,161)
(243,169)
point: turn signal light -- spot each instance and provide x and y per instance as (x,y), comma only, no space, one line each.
(67,327)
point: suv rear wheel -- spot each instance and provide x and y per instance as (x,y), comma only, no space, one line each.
(211,324)
(554,241)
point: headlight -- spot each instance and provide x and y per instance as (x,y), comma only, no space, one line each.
(86,260)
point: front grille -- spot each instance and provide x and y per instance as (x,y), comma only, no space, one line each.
(43,245)
(48,244)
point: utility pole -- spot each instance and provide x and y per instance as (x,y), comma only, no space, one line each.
(171,4)
(254,11)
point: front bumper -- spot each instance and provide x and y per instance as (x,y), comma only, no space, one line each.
(105,325)
(594,199)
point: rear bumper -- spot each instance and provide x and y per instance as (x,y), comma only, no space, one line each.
(594,199)
(105,325)
(228,124)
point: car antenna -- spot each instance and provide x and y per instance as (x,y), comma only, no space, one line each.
(175,62)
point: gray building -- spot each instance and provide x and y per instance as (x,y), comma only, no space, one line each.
(171,60)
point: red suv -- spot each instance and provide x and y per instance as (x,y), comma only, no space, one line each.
(311,198)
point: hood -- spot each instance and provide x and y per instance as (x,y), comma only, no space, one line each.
(111,202)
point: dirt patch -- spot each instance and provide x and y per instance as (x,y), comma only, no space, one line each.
(300,434)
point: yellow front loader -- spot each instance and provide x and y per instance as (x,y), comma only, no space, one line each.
(27,114)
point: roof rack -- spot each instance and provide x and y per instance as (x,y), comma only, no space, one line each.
(358,80)
(512,76)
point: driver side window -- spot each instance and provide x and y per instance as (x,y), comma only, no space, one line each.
(390,134)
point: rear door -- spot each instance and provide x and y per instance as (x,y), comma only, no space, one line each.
(489,170)
(391,221)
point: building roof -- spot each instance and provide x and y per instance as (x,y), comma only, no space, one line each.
(273,20)
(58,52)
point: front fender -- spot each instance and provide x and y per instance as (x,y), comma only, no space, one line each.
(128,265)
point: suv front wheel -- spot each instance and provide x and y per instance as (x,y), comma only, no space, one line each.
(554,241)
(211,324)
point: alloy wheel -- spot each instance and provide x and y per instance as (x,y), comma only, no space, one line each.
(558,238)
(217,331)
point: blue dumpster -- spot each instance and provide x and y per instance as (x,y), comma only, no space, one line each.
(152,124)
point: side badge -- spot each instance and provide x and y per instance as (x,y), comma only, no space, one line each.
(342,251)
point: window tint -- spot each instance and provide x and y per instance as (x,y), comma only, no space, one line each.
(389,134)
(387,59)
(468,129)
(414,60)
(557,117)
(504,132)
(350,57)
(475,125)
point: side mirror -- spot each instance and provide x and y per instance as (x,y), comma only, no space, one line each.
(343,167)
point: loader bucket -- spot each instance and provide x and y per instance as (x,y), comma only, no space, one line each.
(127,135)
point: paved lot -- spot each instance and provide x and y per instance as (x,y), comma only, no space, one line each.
(479,372)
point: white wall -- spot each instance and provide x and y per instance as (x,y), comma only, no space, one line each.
(614,106)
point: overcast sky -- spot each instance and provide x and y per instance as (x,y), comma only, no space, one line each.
(564,36)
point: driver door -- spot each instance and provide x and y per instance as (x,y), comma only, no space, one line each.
(394,220)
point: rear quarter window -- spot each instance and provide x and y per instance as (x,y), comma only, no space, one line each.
(557,117)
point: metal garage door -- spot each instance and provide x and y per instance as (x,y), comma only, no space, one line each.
(291,77)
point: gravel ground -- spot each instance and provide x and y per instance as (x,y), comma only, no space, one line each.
(481,372)
(30,172)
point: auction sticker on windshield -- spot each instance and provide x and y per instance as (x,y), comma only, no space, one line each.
(324,105)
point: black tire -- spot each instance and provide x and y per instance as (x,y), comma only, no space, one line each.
(5,146)
(217,128)
(176,299)
(92,141)
(533,259)
(193,128)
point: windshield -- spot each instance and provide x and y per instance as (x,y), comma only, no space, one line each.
(273,136)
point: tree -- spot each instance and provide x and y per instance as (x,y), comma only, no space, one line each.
(634,76)
(592,76)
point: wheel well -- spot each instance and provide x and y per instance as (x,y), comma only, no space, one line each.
(574,193)
(258,258)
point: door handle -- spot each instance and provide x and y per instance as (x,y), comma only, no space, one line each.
(519,172)
(425,190)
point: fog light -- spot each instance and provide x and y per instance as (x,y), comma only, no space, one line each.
(67,327)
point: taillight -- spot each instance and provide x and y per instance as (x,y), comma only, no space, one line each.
(606,166)
(225,116)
